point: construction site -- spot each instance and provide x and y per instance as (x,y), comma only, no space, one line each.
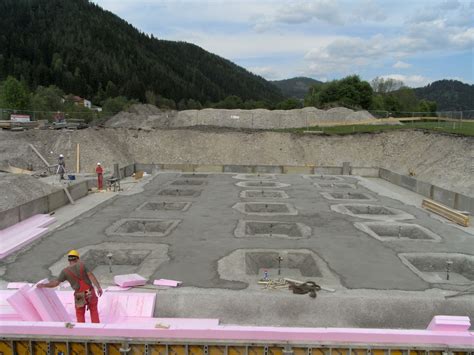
(232,237)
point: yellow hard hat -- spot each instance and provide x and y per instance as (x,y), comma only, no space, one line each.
(73,253)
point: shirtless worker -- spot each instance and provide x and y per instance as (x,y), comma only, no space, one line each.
(81,280)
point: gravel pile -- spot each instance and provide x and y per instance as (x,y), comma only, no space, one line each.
(18,189)
(149,117)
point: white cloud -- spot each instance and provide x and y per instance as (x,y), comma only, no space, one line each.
(449,5)
(401,65)
(409,80)
(268,73)
(299,12)
(369,10)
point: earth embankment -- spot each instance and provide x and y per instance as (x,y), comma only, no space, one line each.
(443,160)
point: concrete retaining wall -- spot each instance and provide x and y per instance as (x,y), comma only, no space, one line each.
(448,198)
(45,204)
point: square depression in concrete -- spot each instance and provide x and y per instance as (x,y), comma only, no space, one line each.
(180,192)
(441,268)
(189,182)
(195,176)
(324,178)
(271,229)
(142,227)
(106,260)
(262,184)
(249,265)
(334,185)
(343,196)
(254,177)
(266,208)
(164,206)
(397,231)
(264,194)
(371,212)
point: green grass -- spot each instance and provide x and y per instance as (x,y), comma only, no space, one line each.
(460,128)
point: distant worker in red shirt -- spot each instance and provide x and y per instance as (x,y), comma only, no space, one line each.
(81,280)
(100,176)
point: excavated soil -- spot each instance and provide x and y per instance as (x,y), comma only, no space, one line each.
(444,160)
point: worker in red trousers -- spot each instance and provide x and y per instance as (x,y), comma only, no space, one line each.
(100,176)
(81,280)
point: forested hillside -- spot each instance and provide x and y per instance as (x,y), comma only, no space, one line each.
(88,51)
(450,95)
(295,87)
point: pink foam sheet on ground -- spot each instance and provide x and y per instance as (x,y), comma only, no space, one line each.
(20,234)
(129,280)
(166,282)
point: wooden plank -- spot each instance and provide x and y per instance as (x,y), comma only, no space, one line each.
(68,195)
(446,212)
(39,155)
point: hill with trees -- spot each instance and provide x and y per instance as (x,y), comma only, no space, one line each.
(450,95)
(295,87)
(82,49)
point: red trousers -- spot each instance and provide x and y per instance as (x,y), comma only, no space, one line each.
(93,308)
(100,181)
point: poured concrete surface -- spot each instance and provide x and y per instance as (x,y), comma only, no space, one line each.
(263,194)
(372,284)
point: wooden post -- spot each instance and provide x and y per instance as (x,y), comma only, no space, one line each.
(78,159)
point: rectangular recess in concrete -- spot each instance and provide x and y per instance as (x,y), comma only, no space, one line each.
(194,176)
(164,206)
(324,178)
(262,184)
(140,227)
(190,182)
(334,185)
(271,194)
(441,268)
(337,196)
(371,211)
(266,208)
(396,231)
(255,262)
(271,229)
(257,176)
(180,193)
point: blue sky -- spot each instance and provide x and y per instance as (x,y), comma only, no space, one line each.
(417,41)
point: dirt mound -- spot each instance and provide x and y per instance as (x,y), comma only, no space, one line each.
(18,189)
(150,117)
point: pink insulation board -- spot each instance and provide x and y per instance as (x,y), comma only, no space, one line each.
(166,282)
(48,304)
(449,323)
(15,237)
(129,280)
(23,306)
(135,304)
(17,285)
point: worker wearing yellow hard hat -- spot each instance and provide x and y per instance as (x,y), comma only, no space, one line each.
(81,280)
